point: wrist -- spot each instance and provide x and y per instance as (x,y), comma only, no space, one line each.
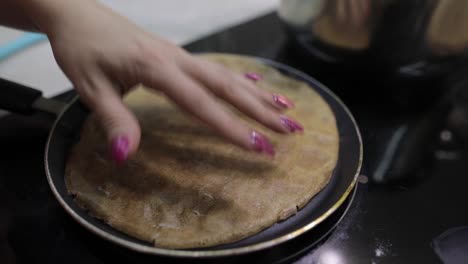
(48,16)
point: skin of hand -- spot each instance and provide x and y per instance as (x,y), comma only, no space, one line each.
(104,55)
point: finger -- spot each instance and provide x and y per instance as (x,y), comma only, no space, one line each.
(119,123)
(277,101)
(247,81)
(191,97)
(239,93)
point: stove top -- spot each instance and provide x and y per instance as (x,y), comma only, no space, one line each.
(412,209)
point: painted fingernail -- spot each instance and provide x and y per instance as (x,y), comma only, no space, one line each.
(254,76)
(120,149)
(282,101)
(261,144)
(291,124)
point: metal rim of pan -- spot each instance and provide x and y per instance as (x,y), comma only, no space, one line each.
(218,252)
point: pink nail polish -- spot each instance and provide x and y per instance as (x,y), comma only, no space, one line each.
(261,144)
(291,124)
(282,101)
(120,149)
(254,76)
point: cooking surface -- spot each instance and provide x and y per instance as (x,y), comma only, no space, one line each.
(387,223)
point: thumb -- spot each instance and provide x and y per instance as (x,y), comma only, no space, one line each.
(119,123)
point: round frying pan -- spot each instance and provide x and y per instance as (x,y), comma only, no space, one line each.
(65,133)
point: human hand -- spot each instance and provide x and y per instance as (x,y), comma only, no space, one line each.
(104,55)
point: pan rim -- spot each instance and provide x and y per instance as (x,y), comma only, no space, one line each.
(218,252)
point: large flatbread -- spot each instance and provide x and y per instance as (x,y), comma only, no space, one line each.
(187,187)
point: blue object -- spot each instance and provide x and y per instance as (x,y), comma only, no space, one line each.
(25,41)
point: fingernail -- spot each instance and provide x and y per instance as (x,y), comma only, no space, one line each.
(254,76)
(291,124)
(282,101)
(120,149)
(261,144)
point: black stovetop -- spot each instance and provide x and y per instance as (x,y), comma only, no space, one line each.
(414,159)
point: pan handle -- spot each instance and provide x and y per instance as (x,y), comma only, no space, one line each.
(21,99)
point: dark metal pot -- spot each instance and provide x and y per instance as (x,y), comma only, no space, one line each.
(400,50)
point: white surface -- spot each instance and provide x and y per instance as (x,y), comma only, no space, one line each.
(7,34)
(178,20)
(300,12)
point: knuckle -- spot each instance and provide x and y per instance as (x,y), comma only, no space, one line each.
(156,69)
(86,91)
(146,57)
(226,88)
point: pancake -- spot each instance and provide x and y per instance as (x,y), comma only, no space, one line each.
(187,187)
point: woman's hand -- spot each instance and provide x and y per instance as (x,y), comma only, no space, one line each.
(104,55)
